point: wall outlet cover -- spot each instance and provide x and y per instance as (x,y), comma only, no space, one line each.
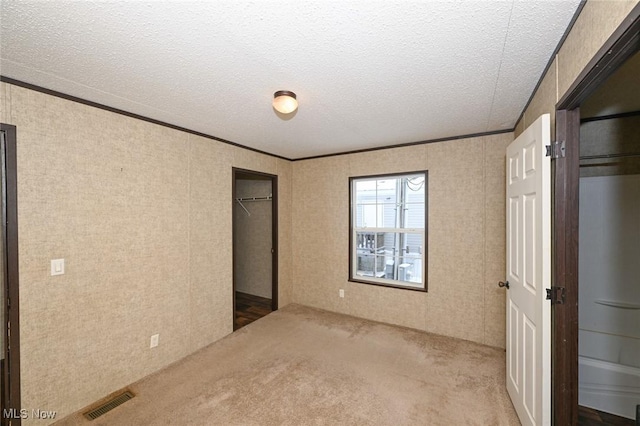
(155,339)
(57,267)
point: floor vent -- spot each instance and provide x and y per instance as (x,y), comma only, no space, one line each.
(109,405)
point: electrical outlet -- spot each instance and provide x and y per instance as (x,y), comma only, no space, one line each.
(341,293)
(57,267)
(155,339)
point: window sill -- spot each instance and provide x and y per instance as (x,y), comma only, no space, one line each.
(400,287)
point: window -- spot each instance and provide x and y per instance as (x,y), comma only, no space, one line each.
(388,225)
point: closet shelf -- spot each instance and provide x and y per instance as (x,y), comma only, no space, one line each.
(601,156)
(248,199)
(245,199)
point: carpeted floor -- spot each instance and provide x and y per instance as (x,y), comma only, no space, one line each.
(301,366)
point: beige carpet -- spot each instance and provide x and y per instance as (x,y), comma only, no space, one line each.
(300,366)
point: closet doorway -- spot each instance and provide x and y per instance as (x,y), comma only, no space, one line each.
(255,246)
(596,322)
(609,245)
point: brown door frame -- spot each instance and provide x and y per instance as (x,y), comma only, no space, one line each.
(11,366)
(274,234)
(623,43)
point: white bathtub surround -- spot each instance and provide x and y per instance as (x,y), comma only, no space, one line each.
(609,378)
(609,339)
(609,387)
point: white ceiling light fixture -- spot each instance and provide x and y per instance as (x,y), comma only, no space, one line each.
(285,102)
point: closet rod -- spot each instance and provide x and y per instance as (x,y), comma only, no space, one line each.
(596,157)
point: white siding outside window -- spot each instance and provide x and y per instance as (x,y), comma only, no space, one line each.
(388,230)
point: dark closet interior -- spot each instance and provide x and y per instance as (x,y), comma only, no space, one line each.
(609,247)
(254,246)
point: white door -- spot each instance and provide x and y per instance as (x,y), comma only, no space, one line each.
(529,274)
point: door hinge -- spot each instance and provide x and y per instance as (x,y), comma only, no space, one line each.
(555,150)
(557,295)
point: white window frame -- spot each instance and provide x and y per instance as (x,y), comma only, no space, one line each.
(354,230)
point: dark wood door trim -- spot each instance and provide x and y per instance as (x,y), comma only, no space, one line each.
(564,318)
(274,239)
(274,234)
(623,43)
(11,379)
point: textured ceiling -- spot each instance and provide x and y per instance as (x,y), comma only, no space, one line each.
(367,73)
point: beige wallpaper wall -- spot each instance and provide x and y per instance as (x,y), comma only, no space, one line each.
(466,238)
(142,216)
(3,110)
(597,21)
(253,239)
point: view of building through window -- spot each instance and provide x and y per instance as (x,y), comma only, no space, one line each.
(388,222)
